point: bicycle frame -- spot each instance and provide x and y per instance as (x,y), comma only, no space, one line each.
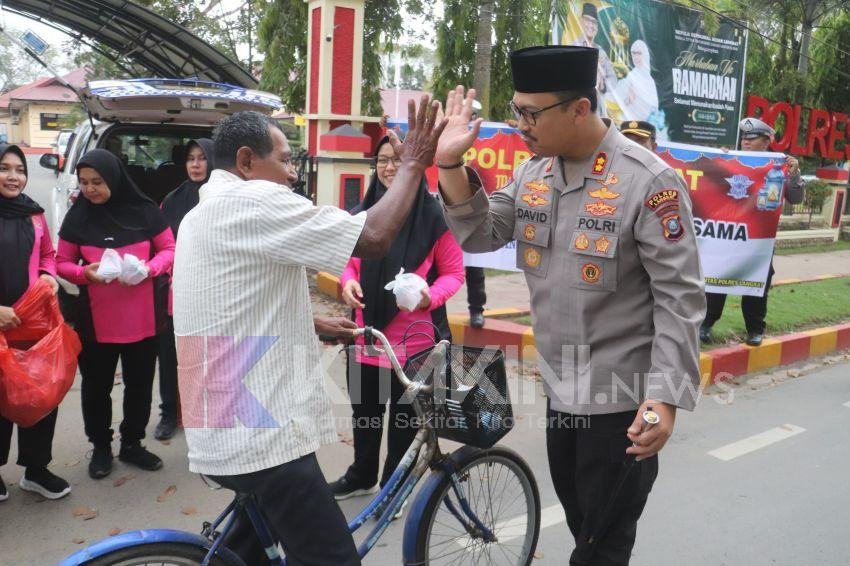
(398,488)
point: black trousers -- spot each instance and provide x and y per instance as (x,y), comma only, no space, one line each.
(35,443)
(299,510)
(475,295)
(97,366)
(753,308)
(168,392)
(369,388)
(586,455)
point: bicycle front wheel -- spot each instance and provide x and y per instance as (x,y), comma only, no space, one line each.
(158,554)
(502,493)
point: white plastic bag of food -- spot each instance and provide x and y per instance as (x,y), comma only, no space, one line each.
(407,288)
(110,265)
(133,270)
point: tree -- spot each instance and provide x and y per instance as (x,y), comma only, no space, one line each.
(18,68)
(832,51)
(516,24)
(283,38)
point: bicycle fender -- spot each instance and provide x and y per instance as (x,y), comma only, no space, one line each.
(411,524)
(144,536)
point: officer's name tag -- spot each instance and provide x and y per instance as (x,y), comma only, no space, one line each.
(608,226)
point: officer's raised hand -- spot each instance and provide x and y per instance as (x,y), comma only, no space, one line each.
(458,135)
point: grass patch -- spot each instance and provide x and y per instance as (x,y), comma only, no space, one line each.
(837,246)
(490,272)
(790,308)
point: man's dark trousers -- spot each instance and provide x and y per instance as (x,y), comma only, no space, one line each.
(753,308)
(586,455)
(300,511)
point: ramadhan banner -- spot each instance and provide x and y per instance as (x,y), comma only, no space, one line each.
(737,200)
(658,63)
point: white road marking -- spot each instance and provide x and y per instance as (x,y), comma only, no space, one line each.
(756,442)
(515,528)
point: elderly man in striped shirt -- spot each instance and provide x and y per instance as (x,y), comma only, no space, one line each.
(251,386)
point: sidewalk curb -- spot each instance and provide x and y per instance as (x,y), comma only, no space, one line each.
(719,364)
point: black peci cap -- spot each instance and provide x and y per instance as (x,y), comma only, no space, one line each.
(554,68)
(589,10)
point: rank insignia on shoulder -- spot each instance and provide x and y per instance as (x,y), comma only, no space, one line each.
(550,164)
(532,258)
(530,232)
(533,199)
(602,244)
(537,186)
(662,198)
(582,242)
(591,273)
(672,227)
(600,208)
(599,163)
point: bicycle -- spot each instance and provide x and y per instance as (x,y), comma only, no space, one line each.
(480,504)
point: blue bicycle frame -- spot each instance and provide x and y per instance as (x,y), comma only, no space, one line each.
(391,498)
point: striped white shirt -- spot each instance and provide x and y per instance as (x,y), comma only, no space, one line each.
(251,388)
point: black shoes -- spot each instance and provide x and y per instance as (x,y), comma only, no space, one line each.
(45,483)
(100,465)
(137,455)
(476,320)
(343,489)
(754,339)
(166,428)
(705,334)
(4,493)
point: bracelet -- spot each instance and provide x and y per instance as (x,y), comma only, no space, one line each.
(457,165)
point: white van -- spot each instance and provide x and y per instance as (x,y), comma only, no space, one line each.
(147,123)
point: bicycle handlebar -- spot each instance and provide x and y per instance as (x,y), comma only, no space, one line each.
(439,352)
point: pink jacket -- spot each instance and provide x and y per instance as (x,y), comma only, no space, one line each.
(120,314)
(447,256)
(43,258)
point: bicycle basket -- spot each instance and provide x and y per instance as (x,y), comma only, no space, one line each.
(470,399)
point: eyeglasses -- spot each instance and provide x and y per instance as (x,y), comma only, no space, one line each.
(530,116)
(384,161)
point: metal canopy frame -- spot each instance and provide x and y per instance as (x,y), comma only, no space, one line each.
(135,33)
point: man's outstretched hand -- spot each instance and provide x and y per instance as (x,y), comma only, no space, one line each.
(339,328)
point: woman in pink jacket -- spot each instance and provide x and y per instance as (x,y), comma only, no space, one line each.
(27,257)
(115,319)
(426,247)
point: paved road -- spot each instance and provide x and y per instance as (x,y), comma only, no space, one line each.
(757,475)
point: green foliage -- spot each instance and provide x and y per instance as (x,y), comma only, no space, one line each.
(517,24)
(817,192)
(832,92)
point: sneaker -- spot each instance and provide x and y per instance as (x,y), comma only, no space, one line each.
(4,493)
(704,334)
(754,339)
(166,428)
(100,465)
(45,483)
(138,456)
(343,489)
(476,320)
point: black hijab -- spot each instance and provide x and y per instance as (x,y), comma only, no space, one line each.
(424,226)
(17,237)
(126,218)
(186,196)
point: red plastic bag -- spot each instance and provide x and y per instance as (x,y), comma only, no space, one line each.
(34,380)
(35,310)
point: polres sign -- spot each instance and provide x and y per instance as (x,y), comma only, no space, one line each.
(825,133)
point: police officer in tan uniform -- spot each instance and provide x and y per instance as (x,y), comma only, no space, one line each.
(605,236)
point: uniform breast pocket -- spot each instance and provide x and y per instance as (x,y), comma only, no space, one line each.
(593,261)
(533,260)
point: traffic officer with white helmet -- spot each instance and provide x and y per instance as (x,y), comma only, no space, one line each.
(605,237)
(755,136)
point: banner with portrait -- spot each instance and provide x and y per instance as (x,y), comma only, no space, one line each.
(658,63)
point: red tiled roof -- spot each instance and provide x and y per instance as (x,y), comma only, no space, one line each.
(47,89)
